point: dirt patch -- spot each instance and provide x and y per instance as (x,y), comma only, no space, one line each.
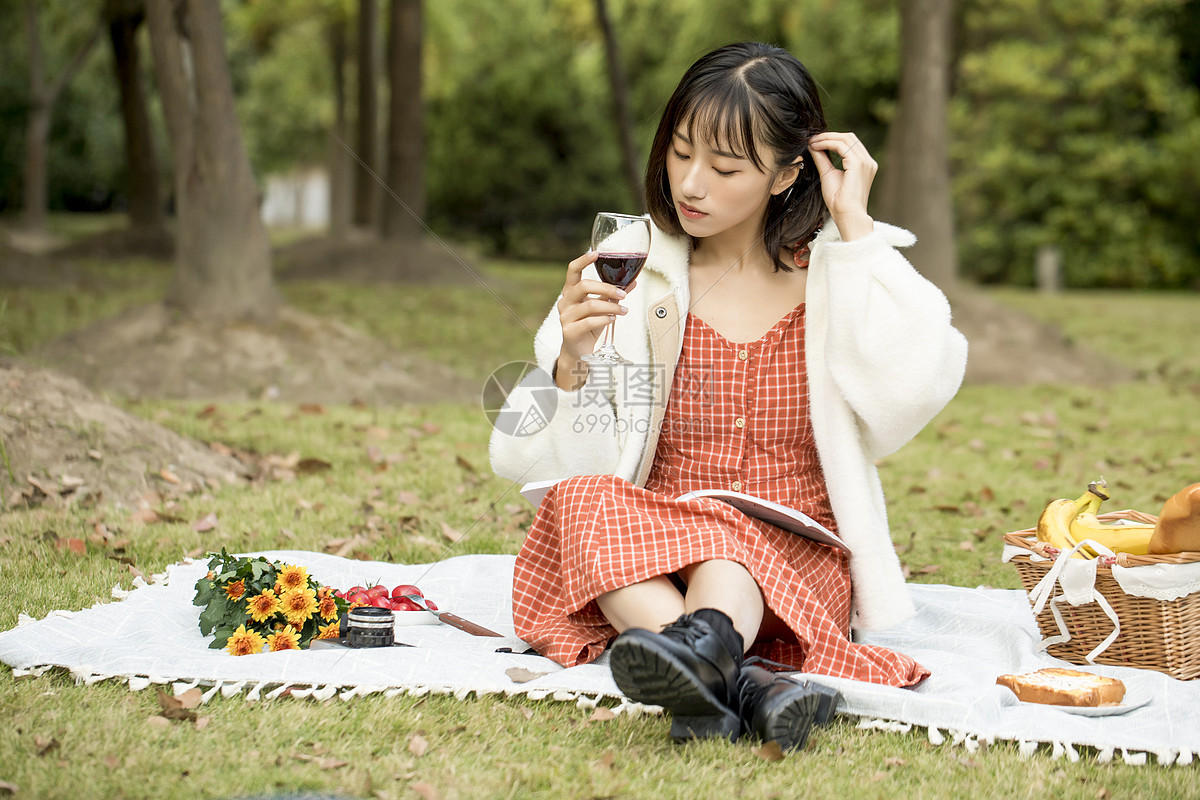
(153,352)
(363,258)
(62,443)
(1011,348)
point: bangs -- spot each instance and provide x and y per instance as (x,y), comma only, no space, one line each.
(722,115)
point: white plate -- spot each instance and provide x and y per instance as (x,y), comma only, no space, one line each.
(1134,698)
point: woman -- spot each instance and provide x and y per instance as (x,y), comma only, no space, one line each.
(780,345)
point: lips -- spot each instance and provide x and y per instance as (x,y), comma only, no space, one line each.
(691,213)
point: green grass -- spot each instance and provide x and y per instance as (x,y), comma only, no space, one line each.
(986,465)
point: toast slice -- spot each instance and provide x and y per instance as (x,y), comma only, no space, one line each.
(1064,687)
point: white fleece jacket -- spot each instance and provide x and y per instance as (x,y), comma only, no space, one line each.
(883,359)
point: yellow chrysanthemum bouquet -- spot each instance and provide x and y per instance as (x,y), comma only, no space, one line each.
(252,604)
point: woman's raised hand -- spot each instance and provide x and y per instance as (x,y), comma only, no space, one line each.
(846,190)
(585,308)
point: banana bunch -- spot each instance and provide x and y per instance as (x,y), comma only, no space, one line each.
(1065,523)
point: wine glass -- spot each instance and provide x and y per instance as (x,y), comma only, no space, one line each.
(621,243)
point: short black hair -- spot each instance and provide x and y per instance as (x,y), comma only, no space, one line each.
(741,97)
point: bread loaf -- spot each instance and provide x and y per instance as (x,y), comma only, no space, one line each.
(1064,687)
(1178,526)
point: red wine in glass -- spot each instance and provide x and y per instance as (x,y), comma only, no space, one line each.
(621,243)
(619,269)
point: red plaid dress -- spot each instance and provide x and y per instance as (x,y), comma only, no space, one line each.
(737,418)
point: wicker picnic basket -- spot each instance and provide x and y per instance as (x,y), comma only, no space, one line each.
(1155,634)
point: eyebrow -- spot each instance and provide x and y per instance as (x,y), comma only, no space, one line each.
(723,153)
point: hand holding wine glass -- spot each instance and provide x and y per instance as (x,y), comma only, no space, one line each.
(587,305)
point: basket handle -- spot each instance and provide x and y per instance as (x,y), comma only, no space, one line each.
(1042,592)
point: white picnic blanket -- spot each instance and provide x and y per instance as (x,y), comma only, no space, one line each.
(965,636)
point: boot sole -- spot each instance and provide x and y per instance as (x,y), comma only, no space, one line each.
(790,724)
(647,674)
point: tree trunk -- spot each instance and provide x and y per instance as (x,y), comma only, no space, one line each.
(621,116)
(404,213)
(339,159)
(42,98)
(145,197)
(366,169)
(916,190)
(223,256)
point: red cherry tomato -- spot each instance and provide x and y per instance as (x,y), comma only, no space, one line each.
(379,590)
(406,588)
(358,597)
(355,590)
(404,604)
(381,602)
(432,605)
(339,594)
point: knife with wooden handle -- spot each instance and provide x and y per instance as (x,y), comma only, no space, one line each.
(453,620)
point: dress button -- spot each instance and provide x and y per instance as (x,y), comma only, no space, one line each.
(660,312)
(739,423)
(743,354)
(736,486)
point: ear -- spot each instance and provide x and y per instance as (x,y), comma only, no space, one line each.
(787,176)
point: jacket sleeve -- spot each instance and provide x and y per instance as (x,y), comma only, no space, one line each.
(892,352)
(545,433)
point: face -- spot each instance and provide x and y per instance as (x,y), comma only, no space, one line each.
(716,192)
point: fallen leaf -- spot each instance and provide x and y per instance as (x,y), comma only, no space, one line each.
(425,790)
(602,714)
(158,721)
(527,713)
(191,698)
(968,546)
(76,546)
(606,760)
(311,466)
(206,523)
(878,776)
(1103,793)
(202,722)
(928,569)
(207,411)
(35,483)
(44,745)
(893,761)
(315,409)
(9,788)
(417,745)
(771,751)
(146,516)
(522,675)
(168,476)
(462,462)
(408,498)
(322,762)
(178,707)
(451,533)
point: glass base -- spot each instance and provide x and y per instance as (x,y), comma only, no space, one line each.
(607,354)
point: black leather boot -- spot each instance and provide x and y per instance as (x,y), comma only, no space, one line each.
(774,707)
(687,670)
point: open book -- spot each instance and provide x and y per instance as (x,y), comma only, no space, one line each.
(780,516)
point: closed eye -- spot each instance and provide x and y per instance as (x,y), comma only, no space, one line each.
(679,155)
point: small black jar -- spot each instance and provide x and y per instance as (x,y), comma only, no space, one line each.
(371,627)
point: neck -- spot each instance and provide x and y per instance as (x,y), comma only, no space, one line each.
(738,255)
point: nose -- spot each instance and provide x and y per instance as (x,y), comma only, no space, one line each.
(691,183)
